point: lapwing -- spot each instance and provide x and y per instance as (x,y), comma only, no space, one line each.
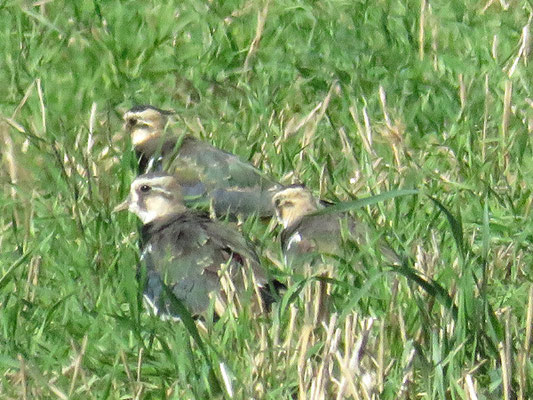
(305,233)
(234,187)
(189,253)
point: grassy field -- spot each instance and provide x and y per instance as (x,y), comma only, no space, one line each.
(354,98)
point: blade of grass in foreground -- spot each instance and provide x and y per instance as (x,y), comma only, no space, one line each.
(430,286)
(480,329)
(190,325)
(367,201)
(455,224)
(22,259)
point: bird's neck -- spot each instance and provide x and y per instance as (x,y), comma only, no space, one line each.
(293,217)
(155,145)
(159,208)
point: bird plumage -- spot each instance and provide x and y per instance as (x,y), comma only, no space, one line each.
(307,233)
(233,186)
(185,250)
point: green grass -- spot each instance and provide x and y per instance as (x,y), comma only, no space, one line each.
(354,98)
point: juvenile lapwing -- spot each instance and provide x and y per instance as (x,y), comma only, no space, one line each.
(233,186)
(187,252)
(306,233)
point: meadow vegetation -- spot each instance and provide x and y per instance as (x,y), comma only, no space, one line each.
(354,98)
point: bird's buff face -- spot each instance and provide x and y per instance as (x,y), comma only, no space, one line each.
(292,204)
(152,197)
(144,125)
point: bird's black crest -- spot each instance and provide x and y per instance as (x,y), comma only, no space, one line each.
(296,185)
(144,107)
(156,174)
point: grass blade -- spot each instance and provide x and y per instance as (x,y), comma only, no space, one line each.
(367,201)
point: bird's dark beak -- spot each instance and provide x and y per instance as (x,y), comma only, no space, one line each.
(123,206)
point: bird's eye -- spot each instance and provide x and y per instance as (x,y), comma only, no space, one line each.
(132,121)
(277,202)
(145,188)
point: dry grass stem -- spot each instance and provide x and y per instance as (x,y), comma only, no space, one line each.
(470,389)
(261,19)
(77,366)
(320,111)
(524,49)
(524,357)
(41,106)
(505,121)
(421,29)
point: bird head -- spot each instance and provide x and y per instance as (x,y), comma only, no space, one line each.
(153,196)
(144,123)
(293,203)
